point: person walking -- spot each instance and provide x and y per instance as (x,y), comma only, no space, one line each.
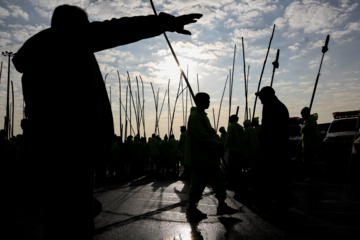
(271,175)
(204,152)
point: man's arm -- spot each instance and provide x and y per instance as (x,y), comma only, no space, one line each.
(121,31)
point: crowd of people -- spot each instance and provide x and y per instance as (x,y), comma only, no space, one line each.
(68,134)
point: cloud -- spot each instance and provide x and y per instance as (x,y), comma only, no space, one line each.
(312,16)
(294,47)
(21,33)
(4,13)
(50,5)
(43,13)
(16,11)
(340,35)
(252,34)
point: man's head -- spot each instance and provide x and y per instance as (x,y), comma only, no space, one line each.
(247,123)
(305,113)
(202,100)
(233,119)
(255,122)
(222,130)
(266,94)
(66,15)
(182,128)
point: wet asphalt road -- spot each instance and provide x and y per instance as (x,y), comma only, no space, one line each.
(154,208)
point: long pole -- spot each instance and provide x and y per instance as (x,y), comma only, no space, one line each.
(323,50)
(214,118)
(126,104)
(13,109)
(177,61)
(156,106)
(232,81)
(230,92)
(275,65)
(121,130)
(7,117)
(143,107)
(169,116)
(130,97)
(126,120)
(247,112)
(267,53)
(222,97)
(1,70)
(177,96)
(197,78)
(138,108)
(162,105)
(134,105)
(246,97)
(182,102)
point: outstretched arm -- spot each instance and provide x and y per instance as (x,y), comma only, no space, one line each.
(115,32)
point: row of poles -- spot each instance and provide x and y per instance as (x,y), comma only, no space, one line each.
(8,120)
(139,106)
(135,105)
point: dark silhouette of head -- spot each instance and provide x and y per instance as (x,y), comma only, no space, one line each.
(255,122)
(182,128)
(266,94)
(222,130)
(305,113)
(67,15)
(233,119)
(202,100)
(247,123)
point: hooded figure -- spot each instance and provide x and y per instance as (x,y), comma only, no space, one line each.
(65,95)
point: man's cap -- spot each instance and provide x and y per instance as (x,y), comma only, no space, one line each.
(266,91)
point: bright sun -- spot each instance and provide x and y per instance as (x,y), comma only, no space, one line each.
(169,69)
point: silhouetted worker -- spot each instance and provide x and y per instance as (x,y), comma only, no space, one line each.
(234,142)
(203,149)
(154,154)
(310,137)
(251,144)
(65,95)
(222,135)
(274,140)
(185,161)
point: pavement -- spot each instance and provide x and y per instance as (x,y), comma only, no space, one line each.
(154,208)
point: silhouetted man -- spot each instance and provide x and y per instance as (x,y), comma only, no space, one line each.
(204,152)
(65,95)
(310,137)
(235,143)
(274,139)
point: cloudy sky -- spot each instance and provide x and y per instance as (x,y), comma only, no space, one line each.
(207,55)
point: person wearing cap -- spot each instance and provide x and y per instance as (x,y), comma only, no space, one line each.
(274,139)
(310,137)
(251,144)
(203,149)
(234,143)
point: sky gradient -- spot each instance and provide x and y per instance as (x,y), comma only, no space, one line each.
(207,55)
